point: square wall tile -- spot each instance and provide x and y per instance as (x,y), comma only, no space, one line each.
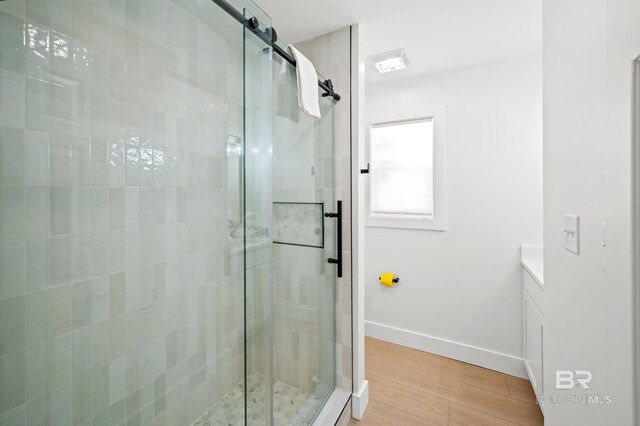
(116,164)
(117,293)
(38,316)
(132,208)
(12,155)
(132,290)
(100,208)
(82,304)
(13,268)
(116,250)
(38,11)
(60,210)
(61,59)
(81,256)
(38,104)
(60,17)
(37,51)
(81,399)
(100,299)
(132,338)
(38,211)
(61,359)
(13,383)
(61,310)
(146,167)
(37,152)
(80,209)
(117,369)
(132,165)
(16,9)
(99,163)
(117,336)
(12,212)
(38,369)
(60,157)
(131,249)
(132,405)
(100,68)
(100,391)
(14,417)
(12,101)
(13,324)
(81,24)
(100,253)
(82,351)
(62,103)
(62,405)
(116,207)
(12,51)
(39,410)
(38,264)
(81,161)
(101,344)
(61,260)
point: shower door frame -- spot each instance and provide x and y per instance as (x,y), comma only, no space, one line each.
(251,26)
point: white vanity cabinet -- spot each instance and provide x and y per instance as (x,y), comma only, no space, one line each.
(533,318)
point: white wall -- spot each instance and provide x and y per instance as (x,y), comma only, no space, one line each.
(463,286)
(588,49)
(360,397)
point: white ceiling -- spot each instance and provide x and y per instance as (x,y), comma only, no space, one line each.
(437,35)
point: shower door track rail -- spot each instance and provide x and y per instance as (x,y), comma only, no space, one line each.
(269,37)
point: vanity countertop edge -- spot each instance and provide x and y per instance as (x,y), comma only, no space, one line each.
(531,260)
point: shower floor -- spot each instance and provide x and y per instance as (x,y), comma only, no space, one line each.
(291,406)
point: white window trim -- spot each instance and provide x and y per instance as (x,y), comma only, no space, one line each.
(438,221)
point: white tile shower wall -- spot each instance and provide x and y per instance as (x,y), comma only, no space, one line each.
(331,56)
(299,176)
(120,299)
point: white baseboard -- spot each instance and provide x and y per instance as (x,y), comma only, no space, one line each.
(486,358)
(360,401)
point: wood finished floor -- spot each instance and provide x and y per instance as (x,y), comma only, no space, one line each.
(411,387)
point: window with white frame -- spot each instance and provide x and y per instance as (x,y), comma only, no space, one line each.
(406,186)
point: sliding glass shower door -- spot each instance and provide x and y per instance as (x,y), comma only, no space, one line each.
(163,239)
(257,80)
(134,213)
(304,236)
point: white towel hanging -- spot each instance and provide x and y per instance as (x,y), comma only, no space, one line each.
(307,84)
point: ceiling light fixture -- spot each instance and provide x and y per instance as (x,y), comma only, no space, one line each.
(390,61)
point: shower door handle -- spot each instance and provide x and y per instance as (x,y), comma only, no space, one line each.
(338,216)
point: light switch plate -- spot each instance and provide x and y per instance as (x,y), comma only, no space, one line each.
(571,233)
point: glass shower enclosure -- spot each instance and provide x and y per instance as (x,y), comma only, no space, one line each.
(165,220)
